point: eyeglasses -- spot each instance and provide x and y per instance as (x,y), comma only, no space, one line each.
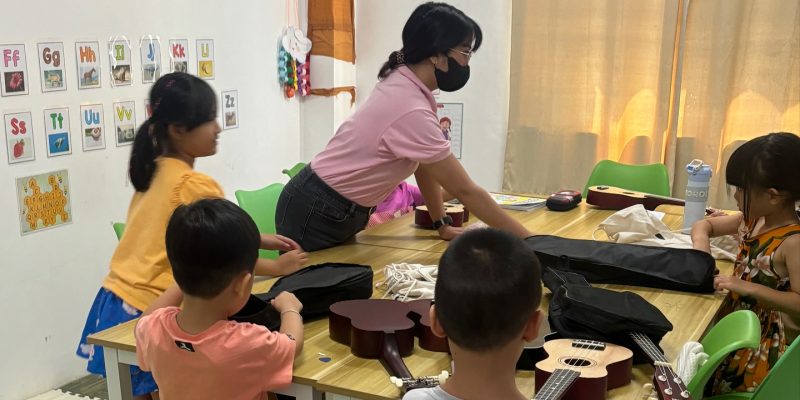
(467,54)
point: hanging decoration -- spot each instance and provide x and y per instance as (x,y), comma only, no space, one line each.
(293,58)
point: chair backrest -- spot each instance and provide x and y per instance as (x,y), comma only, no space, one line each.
(291,172)
(119,228)
(650,178)
(260,204)
(737,330)
(783,380)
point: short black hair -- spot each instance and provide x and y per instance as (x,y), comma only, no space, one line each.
(488,286)
(433,28)
(769,161)
(210,242)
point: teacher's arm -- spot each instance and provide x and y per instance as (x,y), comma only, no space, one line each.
(452,177)
(432,193)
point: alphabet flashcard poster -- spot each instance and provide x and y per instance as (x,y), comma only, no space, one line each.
(124,122)
(148,111)
(13,70)
(450,120)
(51,65)
(205,58)
(119,54)
(87,55)
(19,137)
(179,55)
(92,127)
(230,109)
(56,130)
(44,201)
(150,53)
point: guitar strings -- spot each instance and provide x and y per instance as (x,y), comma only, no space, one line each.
(561,375)
(669,373)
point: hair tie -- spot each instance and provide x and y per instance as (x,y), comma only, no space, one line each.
(400,56)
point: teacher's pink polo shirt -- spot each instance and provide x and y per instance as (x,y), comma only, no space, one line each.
(384,141)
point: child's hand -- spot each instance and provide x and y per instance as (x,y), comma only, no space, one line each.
(286,301)
(278,242)
(733,284)
(291,261)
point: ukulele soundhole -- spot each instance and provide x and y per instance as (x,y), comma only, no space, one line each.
(576,362)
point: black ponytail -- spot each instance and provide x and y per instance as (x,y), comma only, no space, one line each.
(177,99)
(433,28)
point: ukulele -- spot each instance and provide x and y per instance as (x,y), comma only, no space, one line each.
(457,212)
(666,382)
(577,369)
(613,198)
(385,330)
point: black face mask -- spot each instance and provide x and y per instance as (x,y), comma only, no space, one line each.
(455,78)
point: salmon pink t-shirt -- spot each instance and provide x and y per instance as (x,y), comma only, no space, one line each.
(383,142)
(229,360)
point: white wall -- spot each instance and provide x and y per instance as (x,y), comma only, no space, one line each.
(48,279)
(379,25)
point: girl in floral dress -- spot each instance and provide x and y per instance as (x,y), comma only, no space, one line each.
(766,280)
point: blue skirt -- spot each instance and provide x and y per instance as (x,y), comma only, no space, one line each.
(108,311)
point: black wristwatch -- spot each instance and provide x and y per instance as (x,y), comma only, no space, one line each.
(446,220)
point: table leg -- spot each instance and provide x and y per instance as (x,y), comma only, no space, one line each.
(118,376)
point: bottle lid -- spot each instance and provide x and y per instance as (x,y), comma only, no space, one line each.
(697,167)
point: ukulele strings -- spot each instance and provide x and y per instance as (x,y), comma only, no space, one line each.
(561,375)
(659,360)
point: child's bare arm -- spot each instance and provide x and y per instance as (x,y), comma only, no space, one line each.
(291,321)
(171,297)
(287,263)
(787,302)
(707,228)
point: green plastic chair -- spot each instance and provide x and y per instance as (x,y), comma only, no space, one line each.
(737,330)
(650,178)
(260,204)
(781,382)
(291,172)
(119,227)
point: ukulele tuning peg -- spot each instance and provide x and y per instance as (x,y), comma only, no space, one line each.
(662,378)
(685,394)
(396,381)
(443,377)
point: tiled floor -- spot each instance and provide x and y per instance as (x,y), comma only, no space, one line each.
(92,386)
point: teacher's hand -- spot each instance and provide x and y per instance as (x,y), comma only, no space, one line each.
(448,232)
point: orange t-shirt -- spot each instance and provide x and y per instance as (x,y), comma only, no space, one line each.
(229,360)
(140,270)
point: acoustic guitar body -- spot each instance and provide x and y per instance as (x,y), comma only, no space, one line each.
(364,324)
(420,314)
(581,369)
(456,211)
(613,198)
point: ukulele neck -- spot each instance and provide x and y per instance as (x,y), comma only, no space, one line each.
(391,359)
(558,384)
(666,382)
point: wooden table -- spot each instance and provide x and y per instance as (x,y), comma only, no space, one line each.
(398,241)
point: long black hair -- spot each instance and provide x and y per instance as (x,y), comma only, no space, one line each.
(177,99)
(433,28)
(769,161)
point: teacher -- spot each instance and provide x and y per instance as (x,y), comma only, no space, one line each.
(394,134)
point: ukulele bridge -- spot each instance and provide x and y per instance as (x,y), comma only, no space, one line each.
(588,344)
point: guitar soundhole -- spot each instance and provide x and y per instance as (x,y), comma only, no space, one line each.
(577,362)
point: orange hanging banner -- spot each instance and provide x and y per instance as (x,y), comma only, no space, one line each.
(331,29)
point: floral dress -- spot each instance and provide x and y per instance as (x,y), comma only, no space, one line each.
(745,369)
